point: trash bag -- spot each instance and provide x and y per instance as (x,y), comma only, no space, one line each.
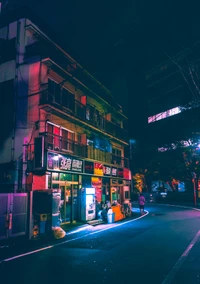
(58,233)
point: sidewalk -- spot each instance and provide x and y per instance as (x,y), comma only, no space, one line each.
(22,245)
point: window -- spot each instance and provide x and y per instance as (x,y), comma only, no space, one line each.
(54,92)
(7,50)
(116,156)
(87,113)
(67,140)
(96,117)
(53,138)
(68,100)
(57,94)
(116,122)
(126,195)
(59,138)
(7,109)
(56,132)
(50,136)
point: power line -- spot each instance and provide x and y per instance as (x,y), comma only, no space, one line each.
(181,70)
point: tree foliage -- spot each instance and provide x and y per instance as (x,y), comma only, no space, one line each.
(139,181)
(175,165)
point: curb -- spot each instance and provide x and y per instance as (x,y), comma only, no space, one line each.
(25,247)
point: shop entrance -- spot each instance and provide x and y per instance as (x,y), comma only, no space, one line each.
(69,205)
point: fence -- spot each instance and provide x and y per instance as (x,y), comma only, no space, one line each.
(13,215)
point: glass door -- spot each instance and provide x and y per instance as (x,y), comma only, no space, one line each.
(62,204)
(66,204)
(76,203)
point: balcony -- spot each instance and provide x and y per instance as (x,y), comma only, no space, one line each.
(106,157)
(87,115)
(58,143)
(57,59)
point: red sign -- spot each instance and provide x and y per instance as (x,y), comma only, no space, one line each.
(96,182)
(98,169)
(127,174)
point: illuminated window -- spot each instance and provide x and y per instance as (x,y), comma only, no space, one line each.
(67,140)
(59,138)
(164,114)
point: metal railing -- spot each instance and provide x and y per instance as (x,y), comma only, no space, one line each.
(86,113)
(58,143)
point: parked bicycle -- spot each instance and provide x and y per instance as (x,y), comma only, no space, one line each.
(126,209)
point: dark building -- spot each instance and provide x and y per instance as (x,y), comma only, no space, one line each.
(173,90)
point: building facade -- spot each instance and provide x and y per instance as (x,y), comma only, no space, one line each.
(62,129)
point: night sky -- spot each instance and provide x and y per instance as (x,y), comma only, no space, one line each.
(118,41)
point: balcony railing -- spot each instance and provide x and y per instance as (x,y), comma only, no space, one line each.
(106,157)
(47,50)
(58,143)
(86,113)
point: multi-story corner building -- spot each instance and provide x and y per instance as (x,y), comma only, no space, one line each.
(173,99)
(61,128)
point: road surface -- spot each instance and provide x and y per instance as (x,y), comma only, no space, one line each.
(162,247)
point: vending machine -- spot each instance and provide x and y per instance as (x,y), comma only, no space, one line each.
(88,207)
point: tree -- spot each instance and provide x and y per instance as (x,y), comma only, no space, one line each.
(177,163)
(139,181)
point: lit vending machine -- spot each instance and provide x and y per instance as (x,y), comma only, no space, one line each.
(88,208)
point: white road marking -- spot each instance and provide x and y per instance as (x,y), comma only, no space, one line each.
(68,241)
(178,264)
(181,206)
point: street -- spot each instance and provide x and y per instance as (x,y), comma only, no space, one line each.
(161,247)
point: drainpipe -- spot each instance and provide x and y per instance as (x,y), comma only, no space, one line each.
(15,103)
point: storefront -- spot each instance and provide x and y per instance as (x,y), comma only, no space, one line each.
(70,175)
(64,175)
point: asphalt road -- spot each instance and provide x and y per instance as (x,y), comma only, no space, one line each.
(162,247)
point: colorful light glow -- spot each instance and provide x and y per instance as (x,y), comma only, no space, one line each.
(164,114)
